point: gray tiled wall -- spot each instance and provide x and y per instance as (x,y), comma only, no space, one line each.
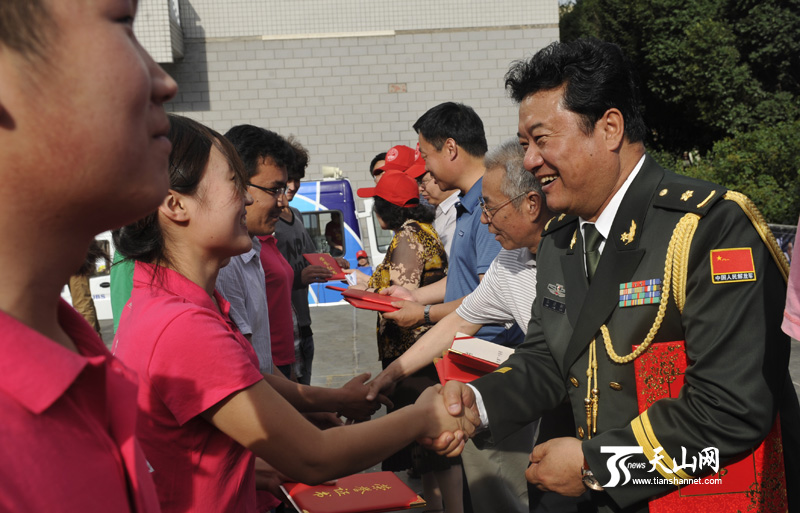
(158,29)
(348,98)
(347,77)
(207,19)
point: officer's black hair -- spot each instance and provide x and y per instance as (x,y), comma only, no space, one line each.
(597,76)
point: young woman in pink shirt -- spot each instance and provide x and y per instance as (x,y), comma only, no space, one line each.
(206,411)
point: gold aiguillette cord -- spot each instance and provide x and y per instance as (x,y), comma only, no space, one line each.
(592,392)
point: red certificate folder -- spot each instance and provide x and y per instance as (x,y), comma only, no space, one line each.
(359,493)
(367,300)
(325,260)
(369,305)
(469,358)
(754,481)
(450,370)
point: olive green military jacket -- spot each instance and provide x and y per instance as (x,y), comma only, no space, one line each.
(737,376)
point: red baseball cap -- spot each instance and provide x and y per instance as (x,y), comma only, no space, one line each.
(395,187)
(361,254)
(399,158)
(417,169)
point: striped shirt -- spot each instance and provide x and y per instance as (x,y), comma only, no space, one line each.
(506,293)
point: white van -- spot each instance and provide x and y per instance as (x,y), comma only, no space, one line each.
(99,281)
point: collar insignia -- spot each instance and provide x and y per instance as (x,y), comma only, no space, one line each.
(628,236)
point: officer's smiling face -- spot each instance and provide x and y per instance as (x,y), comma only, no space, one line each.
(577,170)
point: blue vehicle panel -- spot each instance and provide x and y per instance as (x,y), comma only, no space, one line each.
(320,202)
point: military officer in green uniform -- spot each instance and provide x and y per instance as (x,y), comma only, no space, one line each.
(642,265)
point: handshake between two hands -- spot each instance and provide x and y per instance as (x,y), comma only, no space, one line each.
(451,417)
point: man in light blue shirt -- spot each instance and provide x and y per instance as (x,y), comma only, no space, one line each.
(453,144)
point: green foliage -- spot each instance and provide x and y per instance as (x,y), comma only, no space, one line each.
(708,68)
(767,35)
(763,163)
(710,98)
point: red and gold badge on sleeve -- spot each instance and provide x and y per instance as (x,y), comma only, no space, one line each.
(753,481)
(732,265)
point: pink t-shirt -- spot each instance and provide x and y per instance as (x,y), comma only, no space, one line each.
(791,315)
(188,357)
(67,424)
(278,276)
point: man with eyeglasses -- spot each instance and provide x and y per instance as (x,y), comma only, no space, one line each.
(514,209)
(266,156)
(453,144)
(258,284)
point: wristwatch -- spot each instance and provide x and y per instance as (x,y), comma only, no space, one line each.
(588,478)
(427,314)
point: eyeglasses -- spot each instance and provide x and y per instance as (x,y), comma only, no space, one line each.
(490,212)
(424,183)
(275,191)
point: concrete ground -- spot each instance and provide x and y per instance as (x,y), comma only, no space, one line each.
(345,347)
